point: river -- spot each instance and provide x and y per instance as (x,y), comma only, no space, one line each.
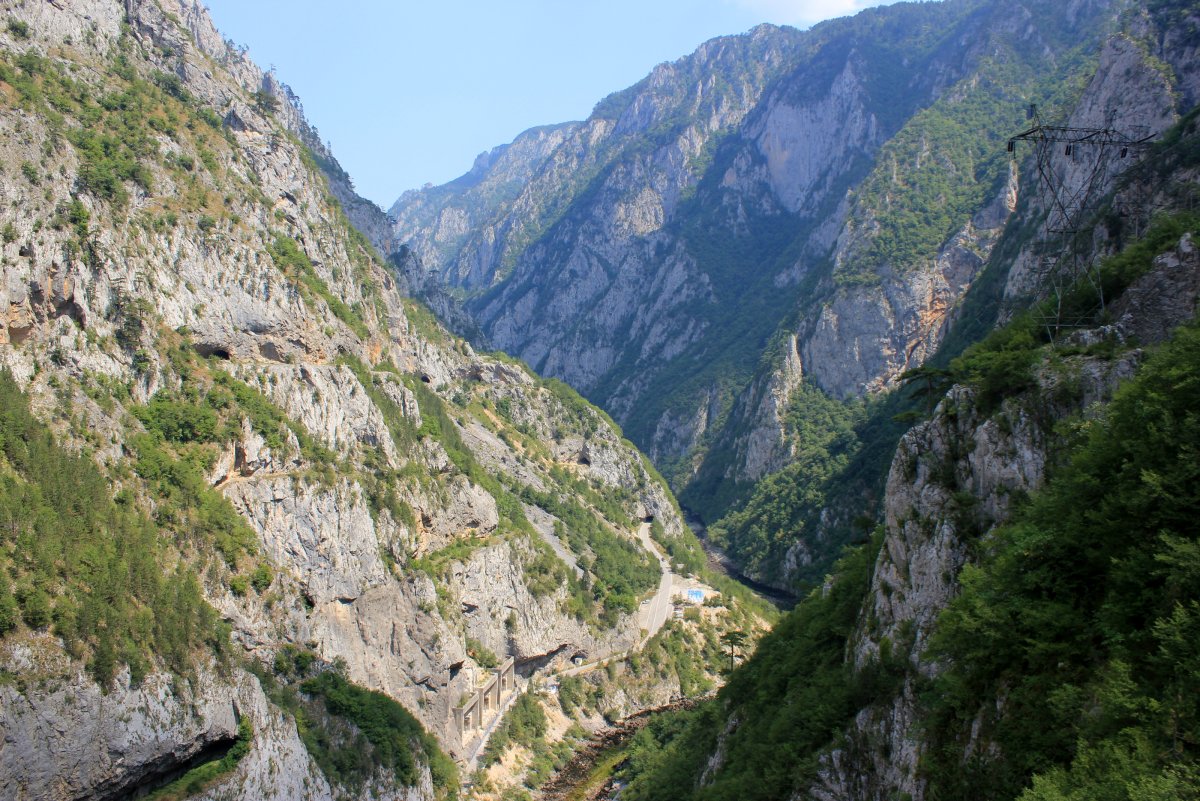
(588,775)
(718,561)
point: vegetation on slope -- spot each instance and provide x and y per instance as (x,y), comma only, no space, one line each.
(358,737)
(119,586)
(619,570)
(948,160)
(523,725)
(1075,645)
(114,132)
(1002,363)
(393,734)
(87,564)
(785,507)
(740,316)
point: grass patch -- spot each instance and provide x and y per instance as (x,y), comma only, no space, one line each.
(295,264)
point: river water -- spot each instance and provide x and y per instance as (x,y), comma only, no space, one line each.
(718,561)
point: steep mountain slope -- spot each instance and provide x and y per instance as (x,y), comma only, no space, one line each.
(439,224)
(1136,83)
(780,209)
(294,486)
(1021,622)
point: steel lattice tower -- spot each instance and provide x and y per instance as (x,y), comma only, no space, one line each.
(1071,185)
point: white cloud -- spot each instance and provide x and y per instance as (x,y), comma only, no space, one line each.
(803,13)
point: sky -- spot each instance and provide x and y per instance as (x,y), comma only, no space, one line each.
(408,93)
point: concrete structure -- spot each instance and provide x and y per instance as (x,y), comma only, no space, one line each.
(478,710)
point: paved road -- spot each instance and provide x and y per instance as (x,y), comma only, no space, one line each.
(651,617)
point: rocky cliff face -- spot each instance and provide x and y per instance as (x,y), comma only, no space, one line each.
(955,477)
(68,739)
(365,215)
(720,201)
(439,223)
(1135,90)
(634,161)
(169,234)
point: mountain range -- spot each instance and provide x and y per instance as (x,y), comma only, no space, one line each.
(300,499)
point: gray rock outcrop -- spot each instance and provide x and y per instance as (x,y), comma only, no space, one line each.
(377,515)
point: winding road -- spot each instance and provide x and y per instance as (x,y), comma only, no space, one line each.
(652,615)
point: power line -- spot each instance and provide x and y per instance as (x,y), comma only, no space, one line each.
(1074,167)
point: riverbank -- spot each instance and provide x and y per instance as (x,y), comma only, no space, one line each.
(720,563)
(588,776)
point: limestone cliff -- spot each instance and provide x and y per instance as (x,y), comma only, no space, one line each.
(438,223)
(171,241)
(750,191)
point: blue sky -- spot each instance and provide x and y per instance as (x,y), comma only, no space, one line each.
(410,92)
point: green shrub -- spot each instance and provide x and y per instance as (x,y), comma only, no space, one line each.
(394,738)
(178,420)
(35,607)
(621,569)
(186,498)
(10,612)
(1002,364)
(262,577)
(91,565)
(481,654)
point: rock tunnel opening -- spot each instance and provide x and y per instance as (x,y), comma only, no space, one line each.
(158,773)
(206,349)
